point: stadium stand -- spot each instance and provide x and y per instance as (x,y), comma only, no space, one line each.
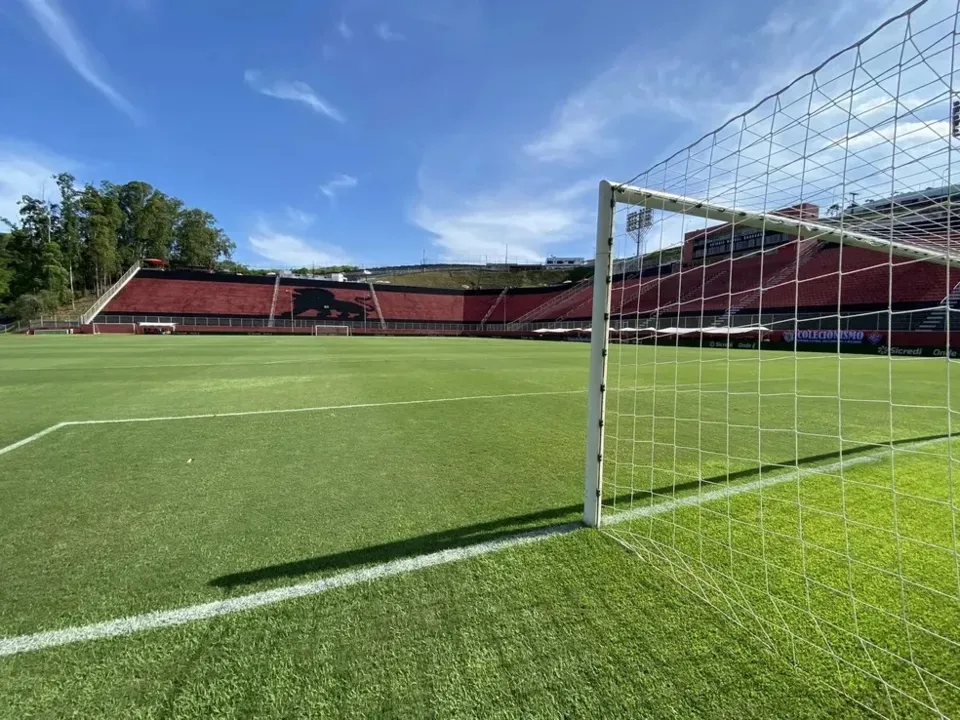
(808,276)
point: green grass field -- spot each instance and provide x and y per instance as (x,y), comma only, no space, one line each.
(405,447)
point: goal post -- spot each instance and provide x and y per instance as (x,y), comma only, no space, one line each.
(332,330)
(773,367)
(114,328)
(599,338)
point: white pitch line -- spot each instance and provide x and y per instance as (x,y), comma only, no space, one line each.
(777,479)
(180,616)
(281,411)
(320,408)
(36,436)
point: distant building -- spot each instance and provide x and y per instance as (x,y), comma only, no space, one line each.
(553,261)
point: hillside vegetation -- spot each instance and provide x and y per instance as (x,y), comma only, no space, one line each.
(52,253)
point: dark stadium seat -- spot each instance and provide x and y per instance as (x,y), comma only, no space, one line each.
(154,296)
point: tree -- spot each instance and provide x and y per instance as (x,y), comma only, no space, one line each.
(6,271)
(67,230)
(159,218)
(26,246)
(101,226)
(93,233)
(26,307)
(198,242)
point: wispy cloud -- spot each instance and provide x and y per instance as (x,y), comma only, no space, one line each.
(345,32)
(870,123)
(299,217)
(342,182)
(600,117)
(289,249)
(294,90)
(27,170)
(384,32)
(507,223)
(60,31)
(630,113)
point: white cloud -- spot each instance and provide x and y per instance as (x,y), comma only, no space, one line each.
(384,32)
(508,223)
(300,217)
(609,121)
(294,90)
(345,32)
(60,31)
(343,182)
(593,120)
(290,250)
(27,170)
(870,123)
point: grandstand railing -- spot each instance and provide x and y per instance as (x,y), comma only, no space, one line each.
(111,292)
(873,320)
(372,324)
(556,301)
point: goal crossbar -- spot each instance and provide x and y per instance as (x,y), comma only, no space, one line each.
(803,229)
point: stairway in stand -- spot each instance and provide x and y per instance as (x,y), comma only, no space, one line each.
(500,297)
(273,303)
(747,299)
(376,306)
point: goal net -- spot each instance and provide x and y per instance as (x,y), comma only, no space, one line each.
(772,369)
(114,328)
(331,330)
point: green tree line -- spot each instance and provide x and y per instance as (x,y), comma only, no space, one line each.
(55,251)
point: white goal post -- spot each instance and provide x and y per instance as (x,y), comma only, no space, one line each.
(332,330)
(114,328)
(774,360)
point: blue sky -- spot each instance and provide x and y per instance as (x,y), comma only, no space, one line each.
(372,132)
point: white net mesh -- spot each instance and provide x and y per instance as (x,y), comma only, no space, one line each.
(779,398)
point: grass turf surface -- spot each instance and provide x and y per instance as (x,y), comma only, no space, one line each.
(108,520)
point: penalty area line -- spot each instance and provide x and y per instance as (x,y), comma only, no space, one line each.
(281,411)
(36,436)
(322,408)
(180,616)
(325,408)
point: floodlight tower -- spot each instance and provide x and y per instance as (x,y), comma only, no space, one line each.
(639,223)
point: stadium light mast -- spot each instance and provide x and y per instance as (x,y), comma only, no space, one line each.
(639,223)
